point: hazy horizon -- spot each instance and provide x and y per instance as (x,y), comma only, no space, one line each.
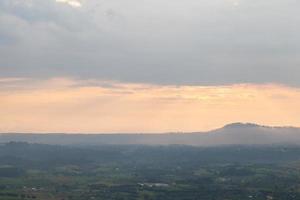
(237,125)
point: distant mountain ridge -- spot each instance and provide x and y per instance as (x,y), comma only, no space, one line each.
(253,125)
(231,134)
(240,124)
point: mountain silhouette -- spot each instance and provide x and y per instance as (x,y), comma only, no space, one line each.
(231,134)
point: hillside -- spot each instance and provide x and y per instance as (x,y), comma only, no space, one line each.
(232,134)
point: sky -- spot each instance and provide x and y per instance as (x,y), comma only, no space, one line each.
(114,66)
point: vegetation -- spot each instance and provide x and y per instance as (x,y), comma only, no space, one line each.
(34,171)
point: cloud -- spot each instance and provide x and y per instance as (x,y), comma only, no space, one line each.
(206,42)
(93,106)
(72,3)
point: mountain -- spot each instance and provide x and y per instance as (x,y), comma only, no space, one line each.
(239,133)
(231,134)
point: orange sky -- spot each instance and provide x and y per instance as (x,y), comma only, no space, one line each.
(93,106)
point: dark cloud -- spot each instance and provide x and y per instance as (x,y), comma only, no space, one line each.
(207,42)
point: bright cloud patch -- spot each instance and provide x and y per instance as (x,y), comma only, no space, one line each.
(72,3)
(92,106)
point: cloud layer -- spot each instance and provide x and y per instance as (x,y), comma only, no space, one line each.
(149,66)
(204,42)
(92,106)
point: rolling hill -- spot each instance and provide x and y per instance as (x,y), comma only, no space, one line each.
(231,134)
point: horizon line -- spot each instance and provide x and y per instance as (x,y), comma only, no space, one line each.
(153,133)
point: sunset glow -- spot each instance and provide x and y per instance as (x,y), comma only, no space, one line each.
(91,106)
